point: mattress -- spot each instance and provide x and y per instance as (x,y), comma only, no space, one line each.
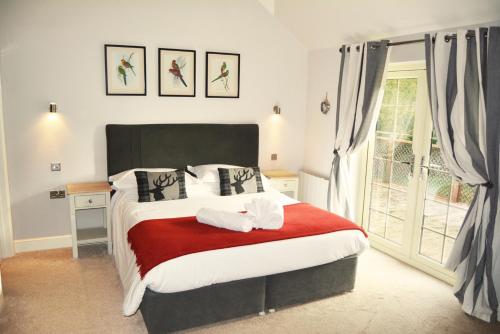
(216,266)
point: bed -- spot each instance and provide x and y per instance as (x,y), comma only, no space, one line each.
(207,287)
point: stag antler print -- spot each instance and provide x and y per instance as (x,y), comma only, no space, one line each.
(241,176)
(162,183)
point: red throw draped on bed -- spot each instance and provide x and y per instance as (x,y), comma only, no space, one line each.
(158,240)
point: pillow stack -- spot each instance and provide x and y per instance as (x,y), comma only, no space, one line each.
(163,184)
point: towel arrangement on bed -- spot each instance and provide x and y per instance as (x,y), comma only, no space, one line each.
(260,213)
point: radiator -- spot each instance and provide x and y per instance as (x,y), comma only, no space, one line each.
(313,189)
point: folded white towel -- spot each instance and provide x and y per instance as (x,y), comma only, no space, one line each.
(225,219)
(261,213)
(267,214)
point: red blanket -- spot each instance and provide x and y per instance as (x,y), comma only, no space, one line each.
(158,240)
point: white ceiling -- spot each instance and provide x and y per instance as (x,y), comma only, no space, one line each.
(327,23)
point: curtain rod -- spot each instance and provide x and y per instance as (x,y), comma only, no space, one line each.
(447,38)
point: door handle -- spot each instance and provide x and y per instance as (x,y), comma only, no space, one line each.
(410,163)
(423,167)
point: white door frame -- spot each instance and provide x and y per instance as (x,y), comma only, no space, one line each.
(407,254)
(6,235)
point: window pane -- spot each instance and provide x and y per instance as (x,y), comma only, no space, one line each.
(407,92)
(405,120)
(403,150)
(435,160)
(401,174)
(448,246)
(377,223)
(398,203)
(465,195)
(456,217)
(438,185)
(431,245)
(435,214)
(390,92)
(379,198)
(394,230)
(383,147)
(385,123)
(381,171)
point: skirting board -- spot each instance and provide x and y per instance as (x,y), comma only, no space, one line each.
(36,244)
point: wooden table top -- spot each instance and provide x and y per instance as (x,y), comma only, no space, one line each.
(87,187)
(279,173)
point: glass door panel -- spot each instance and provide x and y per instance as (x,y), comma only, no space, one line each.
(392,160)
(413,208)
(446,204)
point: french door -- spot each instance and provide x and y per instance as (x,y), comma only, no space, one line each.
(412,208)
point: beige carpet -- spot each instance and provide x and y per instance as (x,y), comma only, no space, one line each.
(48,292)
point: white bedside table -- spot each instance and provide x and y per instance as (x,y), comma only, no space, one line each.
(284,181)
(84,196)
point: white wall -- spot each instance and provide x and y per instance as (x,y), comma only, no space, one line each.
(321,24)
(53,51)
(323,77)
(6,244)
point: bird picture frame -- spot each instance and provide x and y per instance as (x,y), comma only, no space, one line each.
(176,72)
(222,75)
(125,69)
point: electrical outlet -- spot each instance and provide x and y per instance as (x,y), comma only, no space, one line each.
(274,156)
(55,166)
(55,194)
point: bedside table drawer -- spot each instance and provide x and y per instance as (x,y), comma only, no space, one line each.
(284,184)
(90,201)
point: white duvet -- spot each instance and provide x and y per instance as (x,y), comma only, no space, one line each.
(216,266)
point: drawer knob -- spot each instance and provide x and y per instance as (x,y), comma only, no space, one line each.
(90,201)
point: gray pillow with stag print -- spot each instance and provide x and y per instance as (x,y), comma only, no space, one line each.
(234,181)
(160,186)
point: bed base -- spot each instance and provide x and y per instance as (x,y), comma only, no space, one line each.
(169,312)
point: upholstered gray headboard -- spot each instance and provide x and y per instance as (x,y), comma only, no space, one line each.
(178,145)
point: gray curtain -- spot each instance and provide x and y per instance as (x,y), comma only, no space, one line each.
(361,71)
(463,75)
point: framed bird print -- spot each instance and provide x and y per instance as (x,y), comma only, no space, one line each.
(125,68)
(176,72)
(222,77)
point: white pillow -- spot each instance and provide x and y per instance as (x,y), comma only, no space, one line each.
(127,180)
(203,189)
(210,173)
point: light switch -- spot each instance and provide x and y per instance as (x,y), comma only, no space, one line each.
(55,166)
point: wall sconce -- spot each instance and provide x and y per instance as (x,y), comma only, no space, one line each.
(277,110)
(52,107)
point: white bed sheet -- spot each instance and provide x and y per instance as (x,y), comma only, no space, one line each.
(217,266)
